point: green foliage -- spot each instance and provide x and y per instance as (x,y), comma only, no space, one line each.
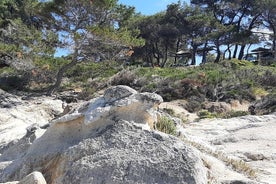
(203,114)
(166,125)
(170,111)
(259,92)
(211,81)
(216,76)
(91,70)
(267,77)
(100,29)
(235,63)
(21,28)
(151,87)
(233,114)
(172,73)
(124,77)
(50,63)
(87,93)
(7,71)
(121,36)
(273,64)
(8,48)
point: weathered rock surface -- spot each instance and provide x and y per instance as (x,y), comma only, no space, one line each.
(21,122)
(33,178)
(250,139)
(108,140)
(17,114)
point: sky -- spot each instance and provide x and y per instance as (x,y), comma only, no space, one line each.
(149,7)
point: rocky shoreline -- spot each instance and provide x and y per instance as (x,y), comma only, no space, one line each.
(112,139)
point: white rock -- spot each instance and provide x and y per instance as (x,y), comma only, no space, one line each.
(33,178)
(15,120)
(108,141)
(250,138)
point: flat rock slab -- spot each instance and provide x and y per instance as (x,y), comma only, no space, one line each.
(250,138)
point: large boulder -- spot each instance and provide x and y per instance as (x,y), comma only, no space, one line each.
(108,140)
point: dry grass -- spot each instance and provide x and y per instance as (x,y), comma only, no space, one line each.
(236,164)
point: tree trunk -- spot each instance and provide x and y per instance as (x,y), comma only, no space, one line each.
(241,52)
(218,52)
(247,50)
(229,52)
(165,57)
(204,53)
(218,57)
(194,55)
(61,72)
(274,42)
(177,49)
(156,54)
(235,51)
(250,27)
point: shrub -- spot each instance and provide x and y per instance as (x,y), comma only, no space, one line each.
(169,111)
(17,82)
(273,64)
(86,70)
(50,63)
(172,73)
(124,77)
(226,115)
(268,78)
(194,104)
(206,114)
(235,63)
(166,125)
(87,93)
(233,114)
(151,87)
(259,92)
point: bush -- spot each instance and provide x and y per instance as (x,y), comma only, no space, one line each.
(268,78)
(259,92)
(83,71)
(169,111)
(194,104)
(166,125)
(124,77)
(266,105)
(235,63)
(226,115)
(50,63)
(87,93)
(13,82)
(203,114)
(233,114)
